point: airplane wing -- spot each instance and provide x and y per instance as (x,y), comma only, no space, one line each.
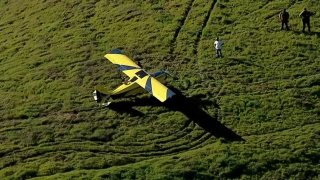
(140,76)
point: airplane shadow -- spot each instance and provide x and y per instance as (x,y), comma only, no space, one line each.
(128,106)
(190,107)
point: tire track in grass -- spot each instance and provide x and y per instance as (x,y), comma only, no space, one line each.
(162,148)
(156,157)
(205,137)
(173,140)
(202,118)
(100,147)
(183,147)
(204,25)
(177,142)
(171,149)
(111,150)
(199,36)
(147,157)
(182,132)
(180,25)
(30,153)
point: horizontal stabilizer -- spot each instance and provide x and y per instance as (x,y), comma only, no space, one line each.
(116,51)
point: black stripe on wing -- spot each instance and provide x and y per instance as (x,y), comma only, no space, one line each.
(125,68)
(148,86)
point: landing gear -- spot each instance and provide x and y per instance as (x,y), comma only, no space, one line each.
(106,104)
(96,96)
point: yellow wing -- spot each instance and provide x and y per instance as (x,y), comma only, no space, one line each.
(124,64)
(141,77)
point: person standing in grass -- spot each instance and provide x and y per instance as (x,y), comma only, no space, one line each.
(284,18)
(218,45)
(305,16)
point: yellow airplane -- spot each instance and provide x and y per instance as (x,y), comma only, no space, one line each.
(139,80)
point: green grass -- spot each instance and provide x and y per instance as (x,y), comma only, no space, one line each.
(266,86)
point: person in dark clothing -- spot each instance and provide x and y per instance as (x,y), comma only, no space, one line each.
(284,17)
(305,16)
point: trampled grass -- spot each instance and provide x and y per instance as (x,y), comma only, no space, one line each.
(265,89)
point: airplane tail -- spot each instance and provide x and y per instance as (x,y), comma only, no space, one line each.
(162,74)
(170,74)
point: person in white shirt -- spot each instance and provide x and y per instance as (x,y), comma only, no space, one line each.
(218,45)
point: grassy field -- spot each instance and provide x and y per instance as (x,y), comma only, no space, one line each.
(266,89)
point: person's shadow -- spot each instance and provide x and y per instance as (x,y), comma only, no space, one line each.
(306,33)
(190,107)
(314,33)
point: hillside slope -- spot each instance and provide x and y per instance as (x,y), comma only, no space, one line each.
(266,89)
